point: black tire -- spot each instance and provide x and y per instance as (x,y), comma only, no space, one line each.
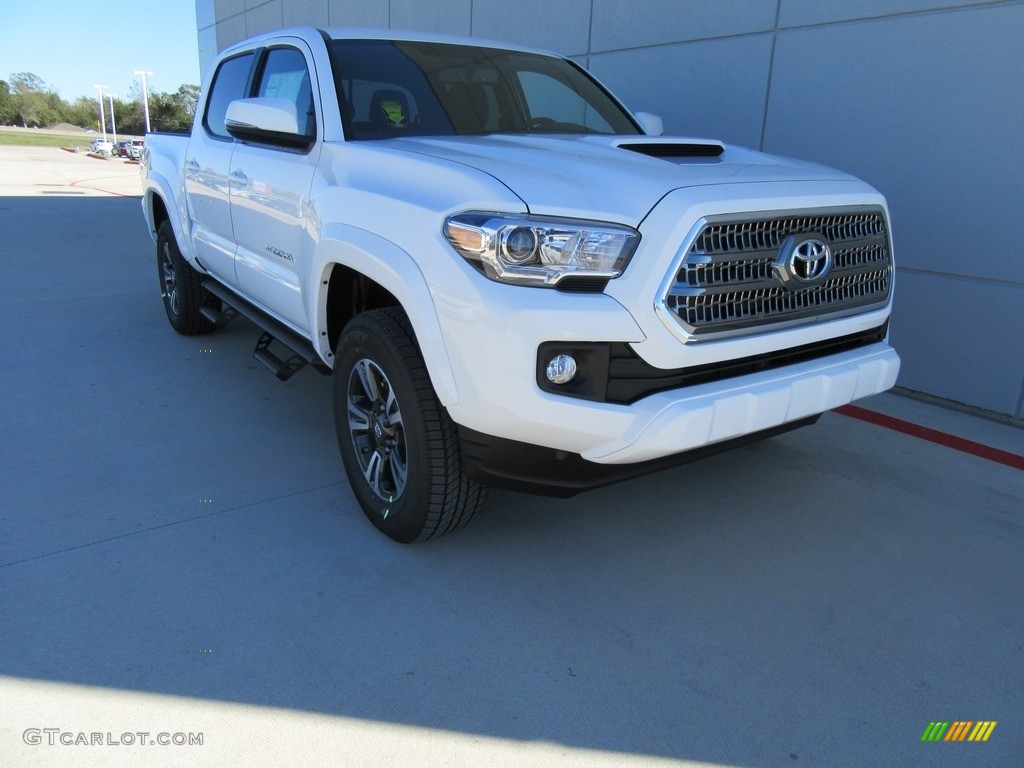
(399,447)
(180,286)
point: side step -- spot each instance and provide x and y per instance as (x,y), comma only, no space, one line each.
(220,317)
(283,369)
(301,349)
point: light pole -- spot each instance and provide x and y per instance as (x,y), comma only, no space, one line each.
(103,117)
(145,94)
(113,127)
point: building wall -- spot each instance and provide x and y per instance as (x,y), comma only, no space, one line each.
(922,98)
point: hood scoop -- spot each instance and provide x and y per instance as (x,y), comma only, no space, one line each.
(679,151)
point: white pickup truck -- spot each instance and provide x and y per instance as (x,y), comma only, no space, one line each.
(513,280)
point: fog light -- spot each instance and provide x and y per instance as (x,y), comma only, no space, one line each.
(561,369)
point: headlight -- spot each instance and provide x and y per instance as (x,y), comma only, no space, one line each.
(538,251)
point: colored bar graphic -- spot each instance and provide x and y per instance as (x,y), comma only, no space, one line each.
(958,730)
(982,730)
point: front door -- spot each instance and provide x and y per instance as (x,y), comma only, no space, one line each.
(270,186)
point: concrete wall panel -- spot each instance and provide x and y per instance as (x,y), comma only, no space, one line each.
(793,13)
(713,88)
(563,26)
(229,32)
(207,51)
(618,25)
(358,13)
(305,13)
(264,18)
(961,339)
(206,15)
(452,17)
(221,9)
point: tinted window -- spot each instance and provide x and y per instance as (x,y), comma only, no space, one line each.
(552,101)
(285,76)
(228,84)
(392,89)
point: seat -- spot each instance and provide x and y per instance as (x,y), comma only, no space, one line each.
(467,108)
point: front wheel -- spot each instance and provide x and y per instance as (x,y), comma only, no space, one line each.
(399,447)
(180,286)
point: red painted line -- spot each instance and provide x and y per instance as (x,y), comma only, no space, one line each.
(934,436)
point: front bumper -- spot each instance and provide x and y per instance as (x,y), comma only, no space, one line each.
(674,422)
(492,341)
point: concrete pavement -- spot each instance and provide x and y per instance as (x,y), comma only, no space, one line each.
(29,171)
(180,554)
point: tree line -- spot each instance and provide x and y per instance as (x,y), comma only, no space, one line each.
(27,101)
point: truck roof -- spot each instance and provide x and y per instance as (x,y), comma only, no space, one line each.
(366,33)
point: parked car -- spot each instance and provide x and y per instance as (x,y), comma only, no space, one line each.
(135,148)
(101,147)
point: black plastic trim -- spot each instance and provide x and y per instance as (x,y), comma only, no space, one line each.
(582,284)
(674,149)
(300,345)
(611,372)
(527,468)
(257,137)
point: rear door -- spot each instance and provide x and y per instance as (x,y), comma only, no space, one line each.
(207,163)
(270,185)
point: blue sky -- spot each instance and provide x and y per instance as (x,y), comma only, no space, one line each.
(72,44)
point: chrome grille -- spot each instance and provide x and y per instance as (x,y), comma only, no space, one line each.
(728,282)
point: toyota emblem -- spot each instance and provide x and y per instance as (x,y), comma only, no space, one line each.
(804,261)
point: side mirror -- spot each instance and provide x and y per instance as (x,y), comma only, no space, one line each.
(267,121)
(650,124)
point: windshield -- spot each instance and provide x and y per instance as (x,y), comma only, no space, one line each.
(398,88)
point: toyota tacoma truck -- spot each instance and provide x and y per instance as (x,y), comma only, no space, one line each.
(513,280)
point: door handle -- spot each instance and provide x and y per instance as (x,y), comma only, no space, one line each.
(192,166)
(239,178)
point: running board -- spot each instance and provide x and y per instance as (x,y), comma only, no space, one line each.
(283,369)
(219,317)
(300,349)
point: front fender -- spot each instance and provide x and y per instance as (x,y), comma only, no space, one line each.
(395,270)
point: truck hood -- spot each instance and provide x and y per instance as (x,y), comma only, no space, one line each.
(599,177)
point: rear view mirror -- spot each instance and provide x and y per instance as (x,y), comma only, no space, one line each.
(650,124)
(266,120)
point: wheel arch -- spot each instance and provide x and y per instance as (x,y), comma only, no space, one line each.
(159,204)
(358,271)
(157,211)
